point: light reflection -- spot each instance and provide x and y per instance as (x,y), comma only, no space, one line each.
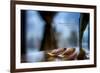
(67,26)
(34,29)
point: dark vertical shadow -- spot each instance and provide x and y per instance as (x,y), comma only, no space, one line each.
(23,33)
(84,20)
(89,36)
(48,42)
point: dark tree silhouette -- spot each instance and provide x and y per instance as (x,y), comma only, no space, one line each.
(84,20)
(48,42)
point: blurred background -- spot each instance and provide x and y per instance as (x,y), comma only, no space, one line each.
(47,30)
